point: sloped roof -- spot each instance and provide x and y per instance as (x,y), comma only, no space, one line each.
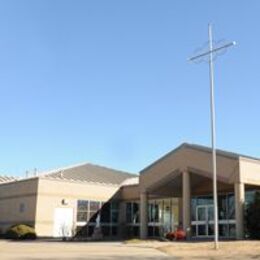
(197,147)
(4,179)
(219,152)
(89,173)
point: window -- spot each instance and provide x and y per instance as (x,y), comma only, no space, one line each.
(222,207)
(89,211)
(129,212)
(83,205)
(153,213)
(94,207)
(135,212)
(114,212)
(132,212)
(203,215)
(105,213)
(82,213)
(231,206)
(249,197)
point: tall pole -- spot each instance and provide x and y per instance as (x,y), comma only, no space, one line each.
(213,137)
(209,54)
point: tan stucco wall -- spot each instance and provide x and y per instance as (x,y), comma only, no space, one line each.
(191,159)
(131,192)
(249,171)
(52,192)
(11,196)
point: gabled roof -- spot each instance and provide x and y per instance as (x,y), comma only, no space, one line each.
(4,179)
(89,173)
(220,152)
(202,148)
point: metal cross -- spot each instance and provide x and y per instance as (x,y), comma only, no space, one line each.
(209,54)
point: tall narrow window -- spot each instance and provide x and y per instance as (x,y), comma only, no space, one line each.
(82,213)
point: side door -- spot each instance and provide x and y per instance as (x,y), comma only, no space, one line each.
(63,222)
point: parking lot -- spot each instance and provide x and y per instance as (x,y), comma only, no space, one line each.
(239,250)
(77,250)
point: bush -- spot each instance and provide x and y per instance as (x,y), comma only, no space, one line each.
(170,235)
(22,232)
(179,234)
(253,218)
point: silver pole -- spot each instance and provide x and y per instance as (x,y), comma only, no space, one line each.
(213,138)
(210,53)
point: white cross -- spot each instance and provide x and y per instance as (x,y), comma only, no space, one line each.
(209,53)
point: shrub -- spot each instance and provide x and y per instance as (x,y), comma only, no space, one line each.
(170,235)
(253,218)
(180,234)
(22,232)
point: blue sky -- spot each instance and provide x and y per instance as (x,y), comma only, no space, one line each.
(108,82)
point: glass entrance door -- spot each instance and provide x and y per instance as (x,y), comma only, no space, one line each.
(204,221)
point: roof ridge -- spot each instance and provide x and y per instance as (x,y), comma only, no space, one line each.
(220,151)
(48,172)
(88,172)
(112,169)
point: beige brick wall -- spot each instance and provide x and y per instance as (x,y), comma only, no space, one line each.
(52,192)
(249,171)
(12,195)
(131,192)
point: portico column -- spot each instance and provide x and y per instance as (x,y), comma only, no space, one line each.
(180,205)
(239,206)
(143,215)
(186,202)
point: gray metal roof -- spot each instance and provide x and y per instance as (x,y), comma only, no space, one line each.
(4,179)
(89,173)
(220,152)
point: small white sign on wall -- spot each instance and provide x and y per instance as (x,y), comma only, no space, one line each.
(63,222)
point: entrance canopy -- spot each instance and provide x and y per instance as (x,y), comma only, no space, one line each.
(164,175)
(199,185)
(186,172)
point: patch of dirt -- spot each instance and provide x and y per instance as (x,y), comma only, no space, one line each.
(239,250)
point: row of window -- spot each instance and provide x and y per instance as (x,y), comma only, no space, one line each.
(91,214)
(226,206)
(159,211)
(162,216)
(97,211)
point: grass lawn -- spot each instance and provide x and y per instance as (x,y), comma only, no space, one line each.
(239,250)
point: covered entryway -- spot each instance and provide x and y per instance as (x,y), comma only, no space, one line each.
(194,210)
(186,174)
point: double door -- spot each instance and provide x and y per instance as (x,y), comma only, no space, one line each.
(204,221)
